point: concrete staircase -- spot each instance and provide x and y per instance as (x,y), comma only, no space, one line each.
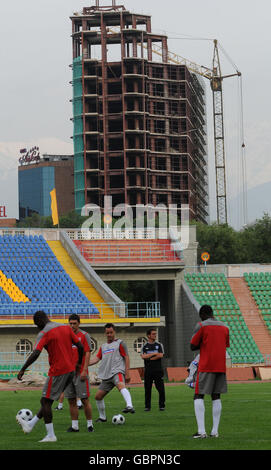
(78,278)
(251,314)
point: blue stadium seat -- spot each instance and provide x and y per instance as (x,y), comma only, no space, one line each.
(33,267)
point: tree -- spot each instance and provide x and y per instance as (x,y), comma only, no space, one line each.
(256,240)
(36,221)
(221,242)
(227,246)
(133,291)
(70,220)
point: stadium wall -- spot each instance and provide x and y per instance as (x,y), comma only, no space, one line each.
(181,314)
(230,270)
(190,308)
(11,336)
(175,325)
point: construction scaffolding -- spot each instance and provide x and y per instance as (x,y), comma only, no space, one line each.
(139,121)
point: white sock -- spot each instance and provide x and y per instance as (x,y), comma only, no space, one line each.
(89,422)
(101,408)
(127,397)
(75,424)
(200,414)
(216,408)
(50,429)
(33,421)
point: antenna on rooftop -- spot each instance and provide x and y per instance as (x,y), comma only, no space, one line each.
(99,7)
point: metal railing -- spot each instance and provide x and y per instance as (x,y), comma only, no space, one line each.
(102,311)
(120,234)
(142,310)
(206,269)
(127,233)
(230,270)
(11,363)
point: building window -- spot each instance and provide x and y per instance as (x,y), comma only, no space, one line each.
(24,346)
(93,345)
(139,343)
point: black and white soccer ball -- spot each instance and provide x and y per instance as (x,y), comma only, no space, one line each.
(25,414)
(118,419)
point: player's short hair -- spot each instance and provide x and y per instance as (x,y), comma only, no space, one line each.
(110,325)
(206,311)
(74,316)
(150,330)
(40,315)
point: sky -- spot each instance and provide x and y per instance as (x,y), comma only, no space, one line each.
(35,91)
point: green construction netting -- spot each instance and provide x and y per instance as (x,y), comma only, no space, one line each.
(77,106)
(77,67)
(78,142)
(79,201)
(78,162)
(77,125)
(80,181)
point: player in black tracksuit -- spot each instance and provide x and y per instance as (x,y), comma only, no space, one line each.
(152,353)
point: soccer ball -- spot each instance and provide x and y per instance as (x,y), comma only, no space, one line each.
(118,419)
(25,414)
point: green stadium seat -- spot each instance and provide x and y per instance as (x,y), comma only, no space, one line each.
(259,285)
(214,289)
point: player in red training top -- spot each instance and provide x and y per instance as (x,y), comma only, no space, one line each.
(57,339)
(80,386)
(211,338)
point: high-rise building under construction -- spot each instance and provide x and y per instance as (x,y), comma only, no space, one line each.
(139,119)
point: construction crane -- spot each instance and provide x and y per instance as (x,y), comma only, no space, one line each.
(216,78)
(214,75)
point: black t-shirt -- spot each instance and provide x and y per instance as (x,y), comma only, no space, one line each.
(151,365)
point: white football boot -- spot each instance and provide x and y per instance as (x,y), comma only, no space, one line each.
(49,439)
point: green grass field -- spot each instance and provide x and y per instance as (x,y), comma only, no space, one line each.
(245,422)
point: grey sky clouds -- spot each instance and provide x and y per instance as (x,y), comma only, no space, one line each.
(35,53)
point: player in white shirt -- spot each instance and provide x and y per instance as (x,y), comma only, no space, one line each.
(113,370)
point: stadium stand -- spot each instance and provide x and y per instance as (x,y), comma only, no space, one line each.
(214,289)
(127,251)
(80,281)
(251,314)
(260,287)
(32,278)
